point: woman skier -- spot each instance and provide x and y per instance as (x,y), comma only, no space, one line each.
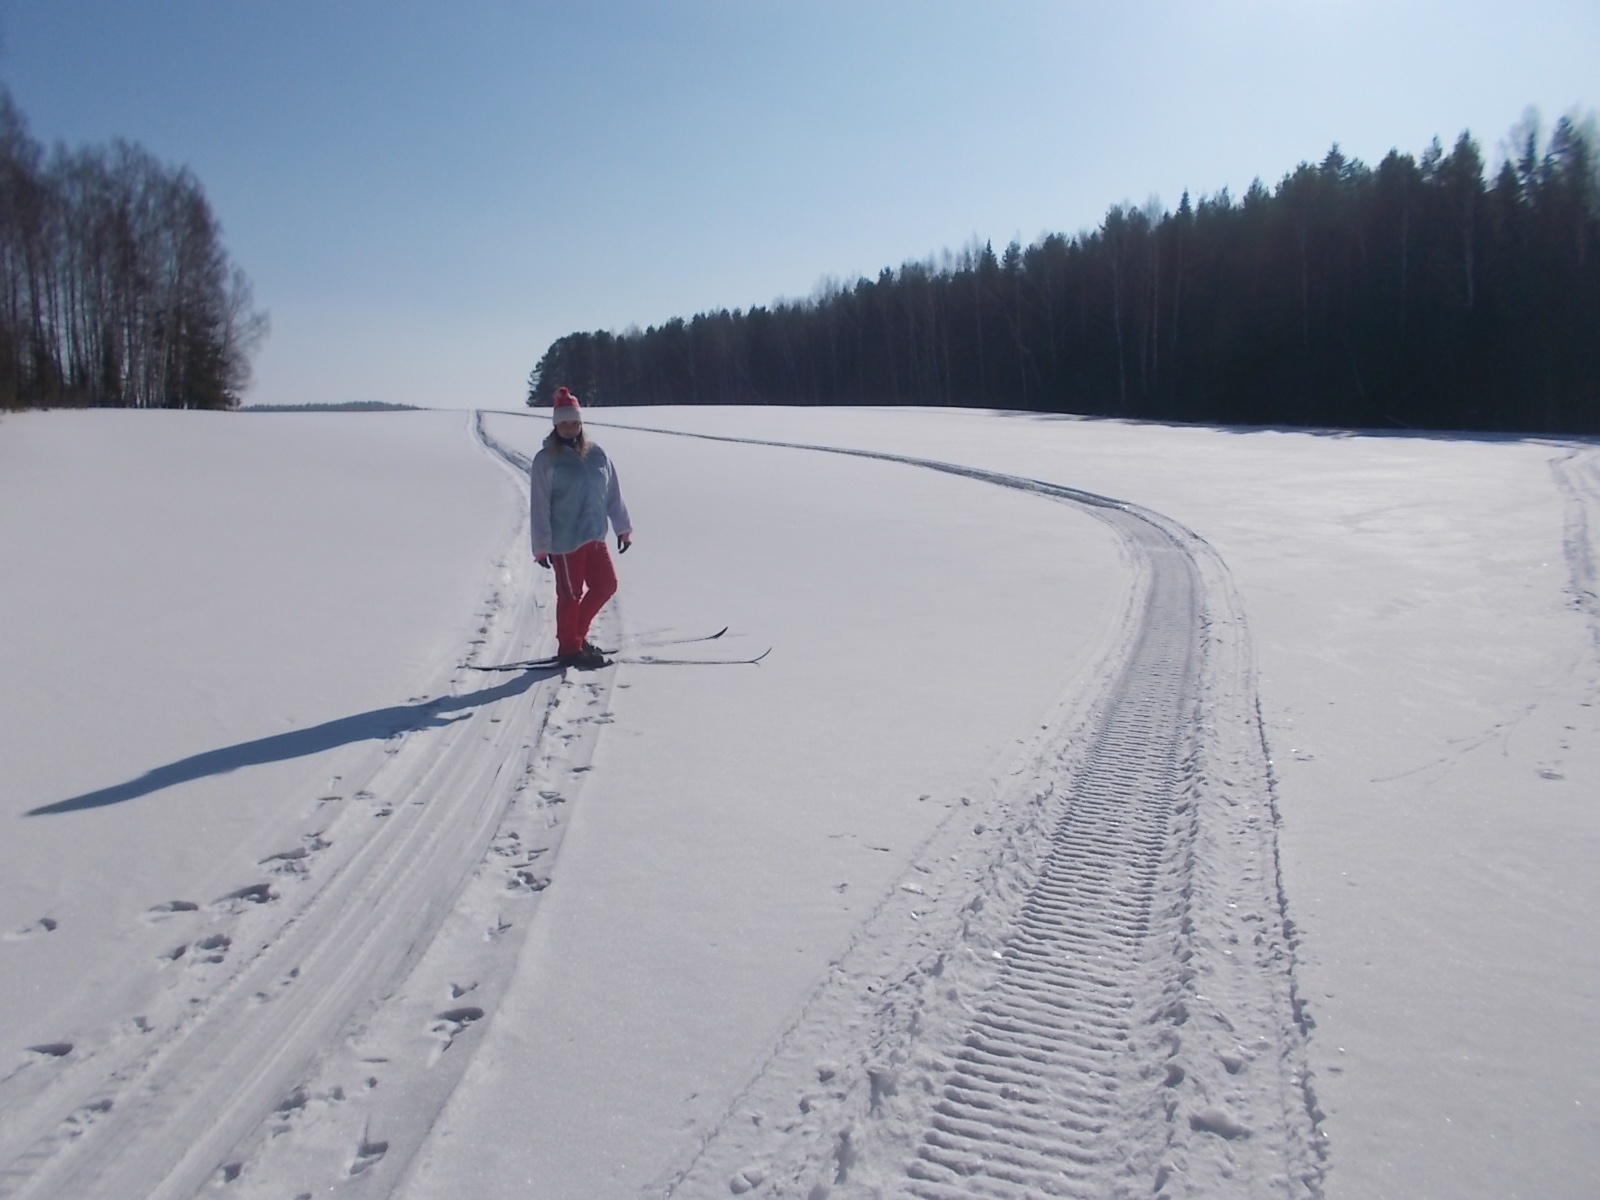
(574,493)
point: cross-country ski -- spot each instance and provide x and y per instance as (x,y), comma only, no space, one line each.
(551,660)
(657,660)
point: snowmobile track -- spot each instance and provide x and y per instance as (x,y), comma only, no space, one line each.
(1092,1064)
(1052,1035)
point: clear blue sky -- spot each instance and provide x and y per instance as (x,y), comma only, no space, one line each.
(427,194)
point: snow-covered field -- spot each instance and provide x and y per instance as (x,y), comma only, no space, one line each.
(1235,839)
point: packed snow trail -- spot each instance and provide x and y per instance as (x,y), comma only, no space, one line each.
(1137,850)
(434,864)
(1033,1094)
(1577,477)
(313,956)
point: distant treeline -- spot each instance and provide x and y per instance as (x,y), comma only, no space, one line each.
(1417,294)
(114,285)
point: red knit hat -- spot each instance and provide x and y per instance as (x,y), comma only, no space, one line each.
(565,407)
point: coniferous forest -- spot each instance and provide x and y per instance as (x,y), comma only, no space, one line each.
(1417,294)
(115,289)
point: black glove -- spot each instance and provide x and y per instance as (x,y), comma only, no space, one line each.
(624,540)
(543,560)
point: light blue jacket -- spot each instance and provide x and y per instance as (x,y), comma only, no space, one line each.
(572,498)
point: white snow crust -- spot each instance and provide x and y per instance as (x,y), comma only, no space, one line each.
(710,930)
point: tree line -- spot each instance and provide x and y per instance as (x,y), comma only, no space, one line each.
(115,288)
(1417,294)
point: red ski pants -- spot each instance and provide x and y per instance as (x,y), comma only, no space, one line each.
(585,580)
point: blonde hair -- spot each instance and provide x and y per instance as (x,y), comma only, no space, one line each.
(552,441)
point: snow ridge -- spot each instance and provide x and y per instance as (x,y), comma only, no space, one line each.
(1090,991)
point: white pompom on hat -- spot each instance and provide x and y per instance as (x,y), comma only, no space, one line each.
(565,407)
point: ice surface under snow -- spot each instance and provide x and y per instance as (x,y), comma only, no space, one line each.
(616,921)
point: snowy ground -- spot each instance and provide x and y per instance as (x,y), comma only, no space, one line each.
(710,930)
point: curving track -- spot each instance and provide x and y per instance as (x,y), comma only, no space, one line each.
(1097,1001)
(1033,1092)
(1136,865)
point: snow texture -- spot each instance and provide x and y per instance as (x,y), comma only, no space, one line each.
(1123,810)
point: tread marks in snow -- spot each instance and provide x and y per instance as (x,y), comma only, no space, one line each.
(1091,1064)
(1053,1035)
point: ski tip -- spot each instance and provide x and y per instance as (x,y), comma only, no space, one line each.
(717,634)
(762,655)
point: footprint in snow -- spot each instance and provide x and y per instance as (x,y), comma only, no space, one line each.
(77,1122)
(1215,1120)
(239,898)
(37,928)
(295,860)
(448,1026)
(170,909)
(286,861)
(209,949)
(452,1021)
(293,1102)
(367,1155)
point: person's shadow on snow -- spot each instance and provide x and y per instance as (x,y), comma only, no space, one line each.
(376,725)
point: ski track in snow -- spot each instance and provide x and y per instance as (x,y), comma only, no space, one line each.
(1083,988)
(1086,988)
(313,1024)
(1577,477)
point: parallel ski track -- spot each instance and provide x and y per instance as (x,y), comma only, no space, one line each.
(162,1124)
(1031,1104)
(1577,475)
